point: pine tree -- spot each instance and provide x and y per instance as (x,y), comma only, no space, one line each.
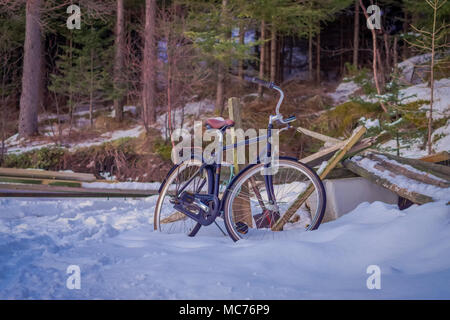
(84,68)
(432,38)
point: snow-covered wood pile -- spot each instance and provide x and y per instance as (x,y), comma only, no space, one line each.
(418,181)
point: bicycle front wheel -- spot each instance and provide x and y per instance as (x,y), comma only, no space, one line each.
(256,200)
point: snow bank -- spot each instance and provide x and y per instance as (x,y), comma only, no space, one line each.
(15,145)
(441,105)
(407,66)
(123,185)
(120,256)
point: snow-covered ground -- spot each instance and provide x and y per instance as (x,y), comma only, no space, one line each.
(120,257)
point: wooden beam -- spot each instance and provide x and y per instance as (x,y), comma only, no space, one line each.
(62,183)
(410,195)
(437,157)
(18,190)
(438,170)
(341,173)
(320,156)
(41,174)
(318,136)
(326,154)
(302,197)
(398,169)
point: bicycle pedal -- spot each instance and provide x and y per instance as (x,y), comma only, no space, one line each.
(241,227)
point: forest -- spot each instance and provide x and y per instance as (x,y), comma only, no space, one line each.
(73,72)
(354,203)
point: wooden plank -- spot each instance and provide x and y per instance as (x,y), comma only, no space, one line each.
(9,190)
(356,136)
(412,196)
(438,170)
(326,154)
(341,173)
(41,174)
(320,156)
(437,157)
(62,183)
(401,170)
(318,136)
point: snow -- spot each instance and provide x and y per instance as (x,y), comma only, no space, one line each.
(110,136)
(344,91)
(123,185)
(414,149)
(443,144)
(120,257)
(407,66)
(369,123)
(15,145)
(432,191)
(184,117)
(441,105)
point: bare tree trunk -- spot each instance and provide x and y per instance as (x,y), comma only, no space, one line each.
(318,59)
(387,52)
(280,60)
(91,91)
(375,54)
(149,68)
(273,55)
(310,56)
(341,45)
(433,49)
(395,49)
(291,54)
(241,42)
(262,59)
(119,58)
(221,72)
(29,100)
(356,35)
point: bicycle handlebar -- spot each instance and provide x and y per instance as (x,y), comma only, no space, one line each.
(271,85)
(266,84)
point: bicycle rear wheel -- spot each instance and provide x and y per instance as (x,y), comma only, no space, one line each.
(187,176)
(249,211)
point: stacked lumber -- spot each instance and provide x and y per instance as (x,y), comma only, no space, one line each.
(416,180)
(40,183)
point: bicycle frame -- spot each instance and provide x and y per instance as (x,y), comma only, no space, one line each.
(217,165)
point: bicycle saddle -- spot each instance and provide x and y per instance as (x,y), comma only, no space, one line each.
(219,123)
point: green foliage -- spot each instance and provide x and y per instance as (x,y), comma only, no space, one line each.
(210,28)
(441,69)
(48,158)
(21,160)
(163,149)
(405,121)
(84,65)
(344,118)
(45,158)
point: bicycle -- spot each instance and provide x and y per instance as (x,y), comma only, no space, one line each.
(253,202)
